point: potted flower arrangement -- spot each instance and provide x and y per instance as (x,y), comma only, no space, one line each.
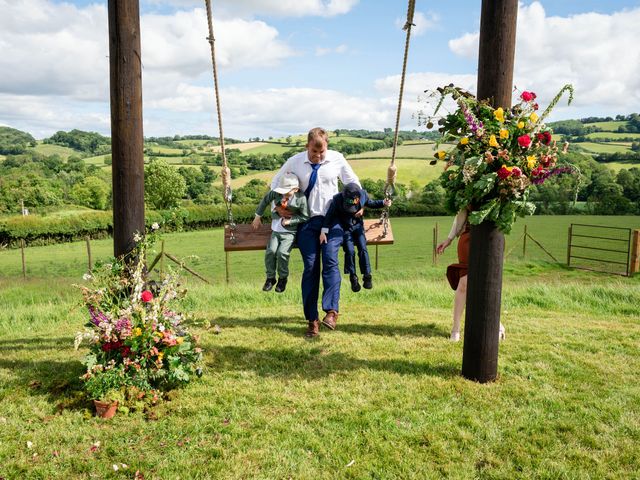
(497,155)
(137,339)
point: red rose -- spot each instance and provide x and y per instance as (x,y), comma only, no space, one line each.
(528,96)
(504,172)
(524,141)
(516,172)
(125,351)
(146,296)
(544,137)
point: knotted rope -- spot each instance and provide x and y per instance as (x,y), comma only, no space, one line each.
(225,174)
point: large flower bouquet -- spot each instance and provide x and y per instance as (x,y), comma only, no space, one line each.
(136,336)
(497,155)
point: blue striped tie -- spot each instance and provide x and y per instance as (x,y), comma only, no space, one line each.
(312,179)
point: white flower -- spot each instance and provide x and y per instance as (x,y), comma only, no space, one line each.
(29,444)
(161,328)
(115,467)
(137,237)
(155,226)
(87,276)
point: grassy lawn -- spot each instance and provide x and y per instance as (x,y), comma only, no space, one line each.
(381,397)
(414,150)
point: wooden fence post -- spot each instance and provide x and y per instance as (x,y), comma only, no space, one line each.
(635,253)
(24,265)
(88,240)
(524,243)
(569,246)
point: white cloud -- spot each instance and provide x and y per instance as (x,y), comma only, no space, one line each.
(280,8)
(322,51)
(422,22)
(598,53)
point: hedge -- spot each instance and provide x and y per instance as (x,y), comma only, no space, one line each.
(48,229)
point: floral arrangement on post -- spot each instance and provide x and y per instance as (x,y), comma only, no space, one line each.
(138,342)
(498,155)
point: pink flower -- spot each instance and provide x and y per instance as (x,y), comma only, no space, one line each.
(146,296)
(516,172)
(524,141)
(528,96)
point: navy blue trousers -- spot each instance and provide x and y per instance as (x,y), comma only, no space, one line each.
(356,238)
(313,257)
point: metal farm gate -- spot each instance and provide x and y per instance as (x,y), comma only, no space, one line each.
(599,248)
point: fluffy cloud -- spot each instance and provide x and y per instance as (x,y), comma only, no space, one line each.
(282,8)
(321,51)
(422,22)
(599,54)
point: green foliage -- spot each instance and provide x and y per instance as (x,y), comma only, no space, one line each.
(164,187)
(92,192)
(87,142)
(13,141)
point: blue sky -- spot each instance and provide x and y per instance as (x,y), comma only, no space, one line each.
(288,65)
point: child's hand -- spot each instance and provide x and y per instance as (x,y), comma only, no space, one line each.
(387,202)
(256,223)
(285,222)
(359,213)
(323,238)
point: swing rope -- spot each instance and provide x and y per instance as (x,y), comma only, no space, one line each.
(226,171)
(392,171)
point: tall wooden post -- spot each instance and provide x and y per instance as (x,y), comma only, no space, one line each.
(484,287)
(127,141)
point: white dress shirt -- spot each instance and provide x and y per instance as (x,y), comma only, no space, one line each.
(332,167)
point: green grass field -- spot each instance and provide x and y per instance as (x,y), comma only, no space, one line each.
(604,147)
(598,135)
(607,126)
(381,397)
(47,149)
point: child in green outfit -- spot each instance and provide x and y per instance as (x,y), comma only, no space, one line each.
(291,209)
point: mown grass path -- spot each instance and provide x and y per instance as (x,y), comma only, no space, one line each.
(381,397)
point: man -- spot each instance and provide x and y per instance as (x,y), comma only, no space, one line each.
(318,170)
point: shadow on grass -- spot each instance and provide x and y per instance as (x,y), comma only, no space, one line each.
(36,343)
(284,324)
(314,364)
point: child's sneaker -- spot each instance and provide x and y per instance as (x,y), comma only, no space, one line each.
(268,284)
(355,285)
(367,282)
(281,285)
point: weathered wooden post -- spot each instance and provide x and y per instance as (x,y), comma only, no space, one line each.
(127,141)
(484,288)
(635,253)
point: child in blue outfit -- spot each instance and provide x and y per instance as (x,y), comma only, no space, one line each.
(346,209)
(292,210)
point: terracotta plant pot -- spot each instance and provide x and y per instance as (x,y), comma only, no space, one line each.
(105,409)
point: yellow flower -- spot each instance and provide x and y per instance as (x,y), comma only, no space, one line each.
(533,117)
(137,332)
(504,133)
(520,125)
(160,356)
(464,141)
(179,340)
(499,114)
(493,142)
(531,161)
(441,154)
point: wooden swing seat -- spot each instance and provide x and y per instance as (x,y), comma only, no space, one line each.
(246,238)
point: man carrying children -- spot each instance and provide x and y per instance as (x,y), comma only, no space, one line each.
(318,170)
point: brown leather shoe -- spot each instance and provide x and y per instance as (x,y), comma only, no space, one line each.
(313,330)
(330,319)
